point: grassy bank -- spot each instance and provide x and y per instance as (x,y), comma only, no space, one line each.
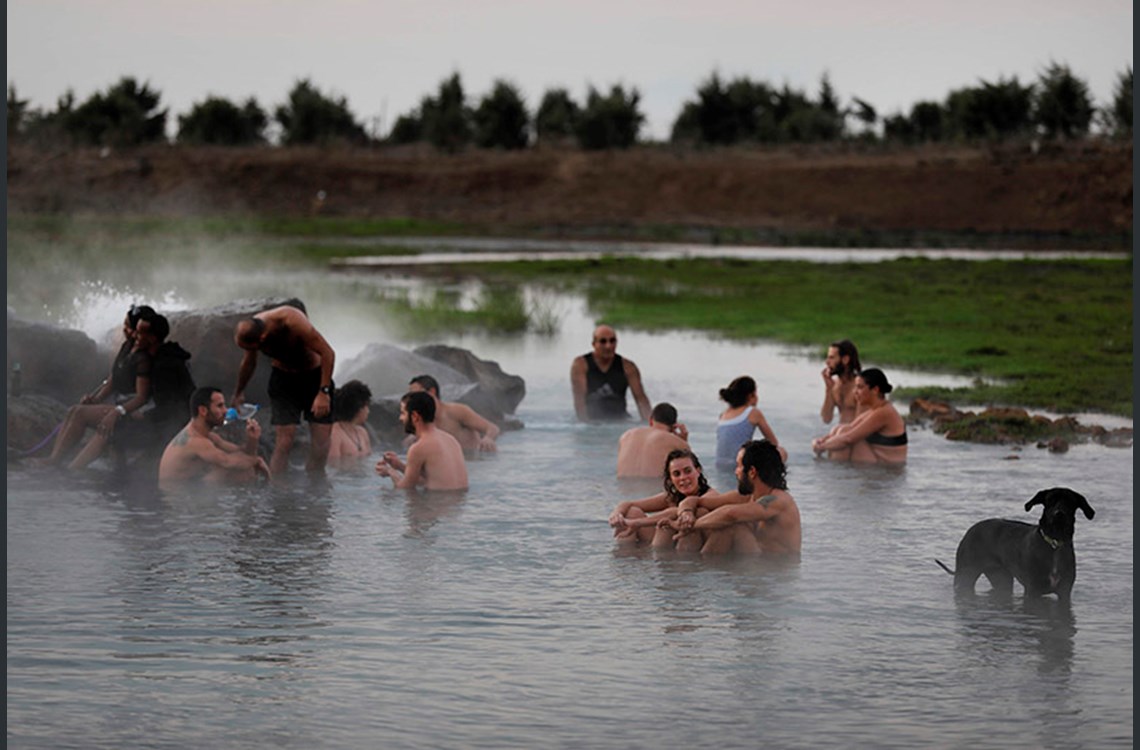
(1052,335)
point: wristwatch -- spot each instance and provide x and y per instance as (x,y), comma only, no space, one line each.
(121,409)
(326,389)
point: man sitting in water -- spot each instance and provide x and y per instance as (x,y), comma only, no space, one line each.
(198,453)
(600,379)
(472,431)
(767,523)
(839,382)
(642,450)
(435,460)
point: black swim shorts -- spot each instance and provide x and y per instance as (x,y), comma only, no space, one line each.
(291,394)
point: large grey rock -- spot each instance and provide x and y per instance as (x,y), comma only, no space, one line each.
(387,369)
(208,334)
(57,362)
(496,392)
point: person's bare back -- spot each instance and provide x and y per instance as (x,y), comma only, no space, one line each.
(439,457)
(642,451)
(287,339)
(435,460)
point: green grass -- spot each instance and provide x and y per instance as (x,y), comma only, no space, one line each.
(1054,335)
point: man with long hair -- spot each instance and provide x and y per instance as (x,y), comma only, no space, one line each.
(839,382)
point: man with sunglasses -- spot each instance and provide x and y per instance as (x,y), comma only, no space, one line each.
(601,378)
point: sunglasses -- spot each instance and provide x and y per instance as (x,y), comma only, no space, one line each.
(612,340)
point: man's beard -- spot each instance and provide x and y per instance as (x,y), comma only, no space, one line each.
(839,370)
(744,486)
(409,428)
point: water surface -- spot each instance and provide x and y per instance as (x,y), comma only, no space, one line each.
(342,613)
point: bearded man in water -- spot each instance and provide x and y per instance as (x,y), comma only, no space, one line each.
(766,523)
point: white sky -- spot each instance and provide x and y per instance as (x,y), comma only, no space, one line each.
(385,56)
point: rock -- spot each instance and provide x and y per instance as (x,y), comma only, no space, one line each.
(387,369)
(921,408)
(31,419)
(1121,437)
(1058,445)
(1005,414)
(496,391)
(463,377)
(208,334)
(54,361)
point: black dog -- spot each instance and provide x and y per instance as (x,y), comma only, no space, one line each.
(1040,557)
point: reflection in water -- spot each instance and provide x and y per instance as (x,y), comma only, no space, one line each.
(998,622)
(426,508)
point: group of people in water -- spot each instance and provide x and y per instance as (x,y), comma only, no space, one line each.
(140,389)
(759,516)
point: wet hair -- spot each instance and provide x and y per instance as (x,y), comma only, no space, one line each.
(427,382)
(765,458)
(846,348)
(249,331)
(350,399)
(202,397)
(664,413)
(738,391)
(874,378)
(420,403)
(159,326)
(676,497)
(139,312)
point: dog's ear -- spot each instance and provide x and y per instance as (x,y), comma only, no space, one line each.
(1080,502)
(1038,499)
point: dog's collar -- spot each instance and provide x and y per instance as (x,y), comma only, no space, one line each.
(1054,543)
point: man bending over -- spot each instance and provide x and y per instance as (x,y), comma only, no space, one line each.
(301,381)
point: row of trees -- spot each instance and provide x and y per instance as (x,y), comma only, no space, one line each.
(1058,105)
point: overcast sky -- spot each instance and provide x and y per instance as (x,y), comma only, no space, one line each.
(384,57)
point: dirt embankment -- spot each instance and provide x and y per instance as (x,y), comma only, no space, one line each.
(1083,192)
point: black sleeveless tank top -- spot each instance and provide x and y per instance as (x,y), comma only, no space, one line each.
(605,391)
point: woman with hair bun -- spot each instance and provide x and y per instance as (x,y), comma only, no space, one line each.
(877,435)
(740,421)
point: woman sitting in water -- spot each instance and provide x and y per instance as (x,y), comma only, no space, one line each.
(127,387)
(350,441)
(877,435)
(683,478)
(740,421)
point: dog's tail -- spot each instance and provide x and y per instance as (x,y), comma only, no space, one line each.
(943,566)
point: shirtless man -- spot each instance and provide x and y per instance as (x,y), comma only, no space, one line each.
(642,450)
(462,422)
(199,453)
(435,460)
(839,382)
(767,523)
(600,379)
(301,381)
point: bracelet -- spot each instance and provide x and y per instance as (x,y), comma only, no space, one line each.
(121,409)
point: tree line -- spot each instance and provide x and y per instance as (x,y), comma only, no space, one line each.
(1058,105)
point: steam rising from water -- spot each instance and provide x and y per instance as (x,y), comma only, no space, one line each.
(99,308)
